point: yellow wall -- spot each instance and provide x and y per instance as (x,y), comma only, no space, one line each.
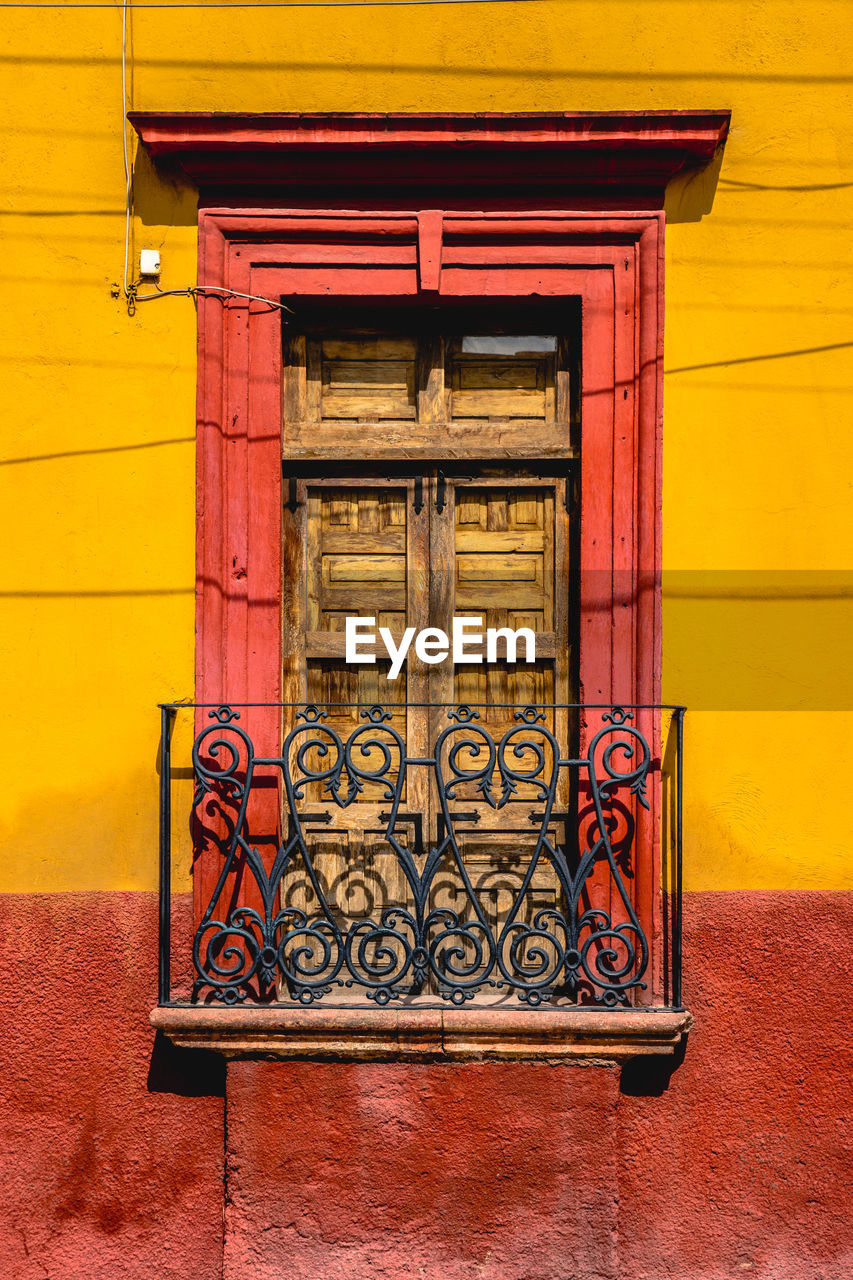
(98,474)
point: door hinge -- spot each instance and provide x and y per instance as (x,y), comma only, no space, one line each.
(441,488)
(439,492)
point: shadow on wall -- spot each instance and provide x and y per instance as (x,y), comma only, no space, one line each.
(187,1073)
(648,1076)
(690,195)
(197,1073)
(200,1073)
(162,196)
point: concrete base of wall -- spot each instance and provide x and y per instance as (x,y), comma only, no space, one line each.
(731,1158)
(112,1139)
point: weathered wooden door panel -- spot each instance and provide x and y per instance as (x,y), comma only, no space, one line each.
(485,540)
(499,545)
(499,548)
(361,546)
(428,395)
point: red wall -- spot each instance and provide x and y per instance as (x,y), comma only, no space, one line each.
(735,1161)
(112,1146)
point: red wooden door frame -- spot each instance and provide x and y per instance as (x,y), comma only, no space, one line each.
(613,264)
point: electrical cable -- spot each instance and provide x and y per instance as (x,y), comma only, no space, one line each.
(193,290)
(130,288)
(127,180)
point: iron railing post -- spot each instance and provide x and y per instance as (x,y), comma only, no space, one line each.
(167,716)
(679,791)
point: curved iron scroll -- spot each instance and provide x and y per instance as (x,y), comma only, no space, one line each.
(255,942)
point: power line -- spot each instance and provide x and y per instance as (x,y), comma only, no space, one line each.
(250,4)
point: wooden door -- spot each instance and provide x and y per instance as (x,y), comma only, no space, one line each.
(499,551)
(356,546)
(415,545)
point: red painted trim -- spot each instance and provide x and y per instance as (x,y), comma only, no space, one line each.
(167,132)
(612,262)
(636,148)
(430,236)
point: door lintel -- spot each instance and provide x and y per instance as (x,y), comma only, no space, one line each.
(615,151)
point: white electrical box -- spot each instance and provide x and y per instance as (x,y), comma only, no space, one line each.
(149,263)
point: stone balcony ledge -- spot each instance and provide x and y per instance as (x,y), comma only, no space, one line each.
(436,1034)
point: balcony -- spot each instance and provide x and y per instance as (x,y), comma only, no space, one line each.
(432,881)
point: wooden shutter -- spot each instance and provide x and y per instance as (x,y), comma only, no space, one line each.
(488,539)
(365,378)
(354,546)
(427,395)
(500,550)
(504,539)
(502,377)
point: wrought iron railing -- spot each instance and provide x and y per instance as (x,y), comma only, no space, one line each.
(518,857)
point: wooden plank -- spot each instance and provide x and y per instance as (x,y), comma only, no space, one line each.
(368,511)
(563,376)
(365,601)
(506,541)
(420,785)
(442,606)
(332,644)
(503,376)
(548,585)
(431,398)
(313,560)
(365,349)
(497,518)
(525,476)
(390,541)
(507,404)
(372,405)
(313,380)
(550,392)
(392,517)
(367,376)
(546,642)
(525,510)
(410,440)
(357,482)
(502,570)
(358,569)
(293,380)
(294,564)
(339,511)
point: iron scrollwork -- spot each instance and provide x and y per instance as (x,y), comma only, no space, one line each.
(439,937)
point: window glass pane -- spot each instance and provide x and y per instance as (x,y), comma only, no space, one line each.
(504,345)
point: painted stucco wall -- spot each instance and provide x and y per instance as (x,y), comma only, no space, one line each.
(97,490)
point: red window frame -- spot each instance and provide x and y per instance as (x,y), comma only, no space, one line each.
(613,265)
